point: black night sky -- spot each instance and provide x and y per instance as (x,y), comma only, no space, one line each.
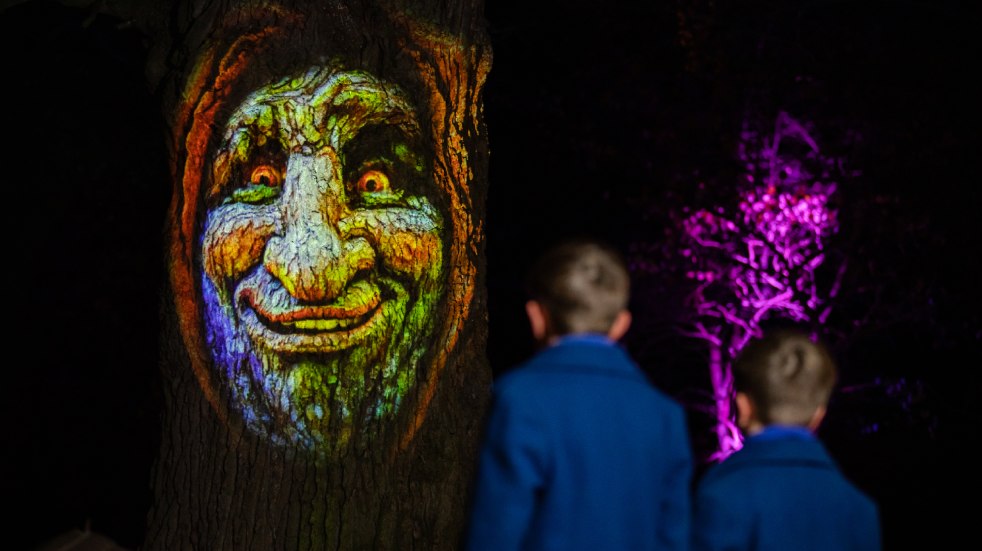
(601,115)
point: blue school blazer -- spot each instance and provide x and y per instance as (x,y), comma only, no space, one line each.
(581,452)
(782,491)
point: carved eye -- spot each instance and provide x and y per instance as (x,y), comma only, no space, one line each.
(265,175)
(372,181)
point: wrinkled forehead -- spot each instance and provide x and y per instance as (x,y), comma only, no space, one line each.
(322,108)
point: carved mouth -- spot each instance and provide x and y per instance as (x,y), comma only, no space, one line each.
(313,319)
(316,319)
(312,328)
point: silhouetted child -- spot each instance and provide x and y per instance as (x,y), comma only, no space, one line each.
(580,450)
(782,490)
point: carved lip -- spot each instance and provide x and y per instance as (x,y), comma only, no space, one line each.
(342,315)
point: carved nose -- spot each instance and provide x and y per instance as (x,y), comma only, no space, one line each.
(315,257)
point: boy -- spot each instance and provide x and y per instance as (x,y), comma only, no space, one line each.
(580,450)
(782,490)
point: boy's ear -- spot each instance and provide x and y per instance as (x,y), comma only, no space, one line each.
(816,419)
(621,324)
(537,319)
(745,410)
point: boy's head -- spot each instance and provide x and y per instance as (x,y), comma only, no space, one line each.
(783,378)
(579,286)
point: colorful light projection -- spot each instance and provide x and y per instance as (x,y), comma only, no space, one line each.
(759,260)
(323,248)
(322,254)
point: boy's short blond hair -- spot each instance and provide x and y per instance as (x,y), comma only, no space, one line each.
(582,284)
(787,375)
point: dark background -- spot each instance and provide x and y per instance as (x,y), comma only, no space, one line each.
(601,115)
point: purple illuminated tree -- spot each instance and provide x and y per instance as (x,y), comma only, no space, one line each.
(758,259)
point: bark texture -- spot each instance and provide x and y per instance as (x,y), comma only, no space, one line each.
(403,485)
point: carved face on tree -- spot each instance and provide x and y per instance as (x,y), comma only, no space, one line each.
(321,255)
(323,238)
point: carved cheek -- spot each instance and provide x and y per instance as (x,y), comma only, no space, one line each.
(409,241)
(233,242)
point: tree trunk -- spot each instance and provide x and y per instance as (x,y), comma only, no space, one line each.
(324,352)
